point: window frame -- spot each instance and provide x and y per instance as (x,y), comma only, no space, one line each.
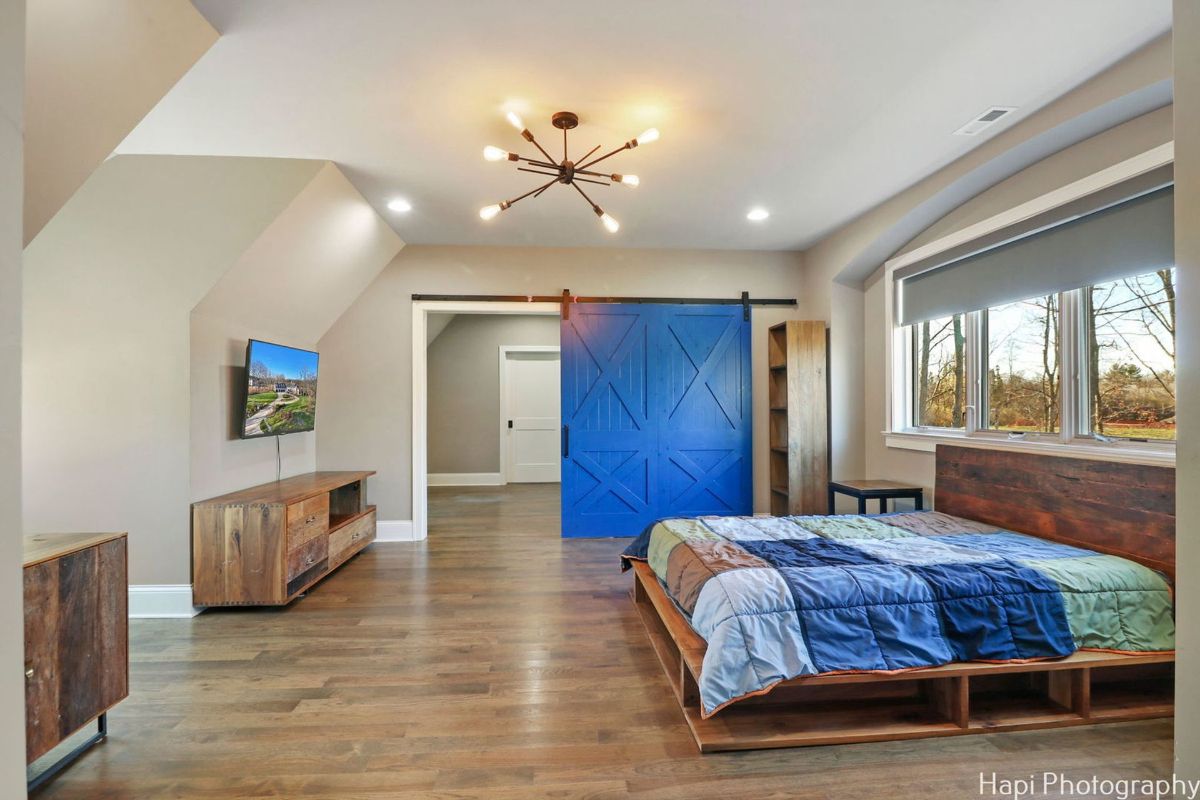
(1074,436)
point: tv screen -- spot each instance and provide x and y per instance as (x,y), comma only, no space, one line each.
(281,390)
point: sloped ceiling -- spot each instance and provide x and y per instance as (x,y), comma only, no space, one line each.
(93,69)
(309,264)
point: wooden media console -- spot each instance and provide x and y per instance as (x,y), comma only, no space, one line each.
(266,545)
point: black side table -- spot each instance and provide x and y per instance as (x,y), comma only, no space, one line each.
(876,490)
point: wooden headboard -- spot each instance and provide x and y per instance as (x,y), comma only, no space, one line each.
(1121,509)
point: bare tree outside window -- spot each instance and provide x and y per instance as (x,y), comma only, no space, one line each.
(1131,327)
(1023,370)
(939,366)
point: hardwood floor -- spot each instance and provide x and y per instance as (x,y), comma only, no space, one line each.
(493,660)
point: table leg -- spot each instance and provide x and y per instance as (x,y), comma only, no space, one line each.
(832,501)
(883,505)
(919,501)
(862,505)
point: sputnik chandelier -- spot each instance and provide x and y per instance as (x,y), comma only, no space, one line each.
(568,172)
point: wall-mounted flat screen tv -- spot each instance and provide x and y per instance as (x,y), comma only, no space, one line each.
(281,390)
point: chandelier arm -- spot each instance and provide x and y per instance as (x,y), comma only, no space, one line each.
(585,197)
(588,153)
(589,180)
(601,158)
(591,172)
(534,141)
(538,193)
(564,130)
(542,164)
(531,191)
(539,172)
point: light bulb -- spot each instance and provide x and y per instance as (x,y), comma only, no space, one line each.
(399,205)
(494,153)
(515,121)
(487,212)
(757,214)
(648,136)
(628,180)
(611,224)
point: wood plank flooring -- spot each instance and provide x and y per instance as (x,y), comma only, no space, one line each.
(493,660)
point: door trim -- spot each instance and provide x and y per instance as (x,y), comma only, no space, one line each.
(421,309)
(505,349)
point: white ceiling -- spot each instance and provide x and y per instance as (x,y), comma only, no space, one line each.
(817,110)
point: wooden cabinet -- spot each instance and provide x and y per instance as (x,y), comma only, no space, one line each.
(798,394)
(267,544)
(76,634)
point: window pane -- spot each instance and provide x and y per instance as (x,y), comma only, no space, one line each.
(1023,370)
(939,372)
(1132,358)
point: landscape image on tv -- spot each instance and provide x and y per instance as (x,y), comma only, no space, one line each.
(281,390)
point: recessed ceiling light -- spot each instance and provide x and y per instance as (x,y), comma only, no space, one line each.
(399,205)
(757,214)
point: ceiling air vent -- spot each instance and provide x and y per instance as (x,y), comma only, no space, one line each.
(984,121)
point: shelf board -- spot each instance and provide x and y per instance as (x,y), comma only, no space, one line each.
(779,490)
(779,368)
(783,450)
(779,409)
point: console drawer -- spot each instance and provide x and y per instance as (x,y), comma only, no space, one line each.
(349,539)
(307,555)
(307,520)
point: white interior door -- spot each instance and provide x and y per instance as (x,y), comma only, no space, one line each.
(531,406)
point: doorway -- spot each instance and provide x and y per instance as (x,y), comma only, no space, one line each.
(457,444)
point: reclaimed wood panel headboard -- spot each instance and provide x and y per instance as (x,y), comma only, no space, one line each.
(1121,509)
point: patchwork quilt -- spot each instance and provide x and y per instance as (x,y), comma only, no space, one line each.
(780,597)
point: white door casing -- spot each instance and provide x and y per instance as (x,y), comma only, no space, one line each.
(530,414)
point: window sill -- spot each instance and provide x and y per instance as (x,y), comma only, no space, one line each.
(1123,452)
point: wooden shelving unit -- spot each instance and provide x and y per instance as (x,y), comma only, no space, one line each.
(799,417)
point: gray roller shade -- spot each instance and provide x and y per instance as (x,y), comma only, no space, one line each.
(1131,237)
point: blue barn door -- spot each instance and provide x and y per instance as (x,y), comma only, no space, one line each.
(656,415)
(609,436)
(705,462)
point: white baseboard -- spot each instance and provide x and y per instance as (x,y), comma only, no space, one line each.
(394,530)
(466,479)
(165,601)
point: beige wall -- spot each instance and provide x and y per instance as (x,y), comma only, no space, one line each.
(464,387)
(366,386)
(1080,160)
(94,68)
(109,287)
(1187,259)
(12,651)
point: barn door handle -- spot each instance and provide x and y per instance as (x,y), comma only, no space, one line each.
(566,436)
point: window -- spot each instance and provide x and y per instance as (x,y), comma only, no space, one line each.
(1022,367)
(939,372)
(1053,324)
(1130,336)
(1096,363)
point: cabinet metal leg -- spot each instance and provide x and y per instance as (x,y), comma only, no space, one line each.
(64,762)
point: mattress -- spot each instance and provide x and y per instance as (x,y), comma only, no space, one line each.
(781,597)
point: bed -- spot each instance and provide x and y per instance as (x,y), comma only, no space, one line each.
(1038,594)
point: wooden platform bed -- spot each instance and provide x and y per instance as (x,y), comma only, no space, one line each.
(1121,509)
